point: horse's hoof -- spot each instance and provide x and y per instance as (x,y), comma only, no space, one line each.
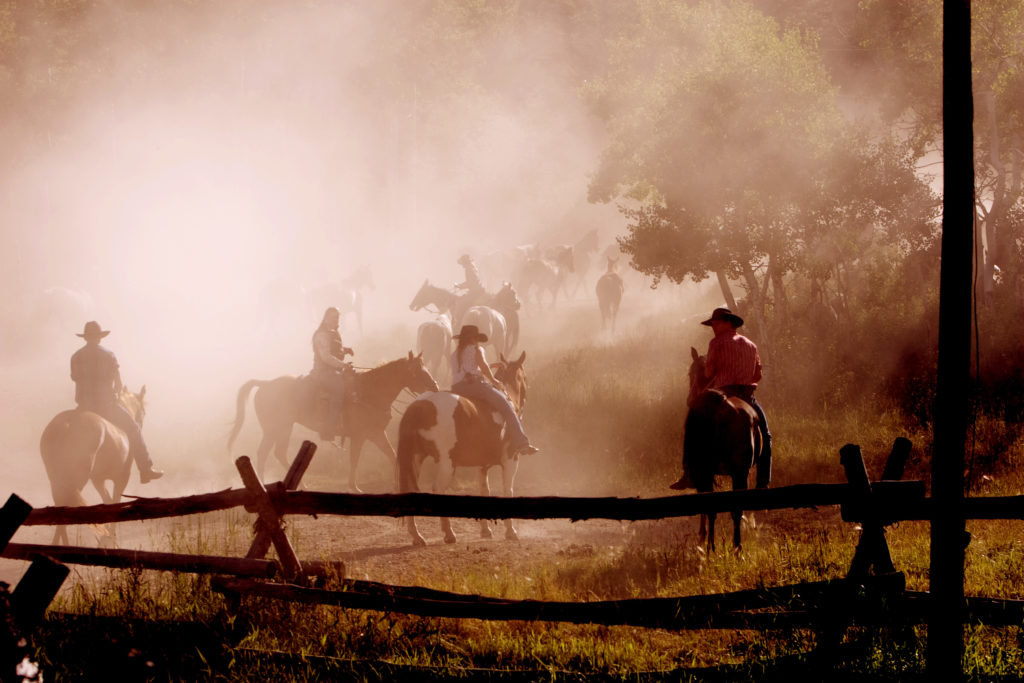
(486,533)
(511,535)
(419,541)
(354,489)
(449,539)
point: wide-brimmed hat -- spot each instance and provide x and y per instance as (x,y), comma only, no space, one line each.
(472,333)
(726,315)
(93,329)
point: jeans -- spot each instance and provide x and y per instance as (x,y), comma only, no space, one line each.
(488,394)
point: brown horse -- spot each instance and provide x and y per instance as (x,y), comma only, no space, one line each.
(456,432)
(609,295)
(722,438)
(79,446)
(283,401)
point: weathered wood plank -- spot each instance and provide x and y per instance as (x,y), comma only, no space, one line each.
(124,559)
(802,603)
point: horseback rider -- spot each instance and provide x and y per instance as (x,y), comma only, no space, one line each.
(473,286)
(472,378)
(97,377)
(733,367)
(330,371)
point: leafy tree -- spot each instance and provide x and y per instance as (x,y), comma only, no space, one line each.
(726,140)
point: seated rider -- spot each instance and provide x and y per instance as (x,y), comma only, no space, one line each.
(472,378)
(733,366)
(97,377)
(330,371)
(474,287)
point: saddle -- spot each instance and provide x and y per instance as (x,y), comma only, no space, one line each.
(316,402)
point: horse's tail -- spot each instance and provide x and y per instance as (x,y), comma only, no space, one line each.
(419,415)
(243,397)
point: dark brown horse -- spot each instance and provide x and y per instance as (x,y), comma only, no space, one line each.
(609,295)
(79,446)
(722,438)
(281,402)
(456,432)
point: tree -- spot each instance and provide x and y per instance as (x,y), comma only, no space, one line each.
(725,135)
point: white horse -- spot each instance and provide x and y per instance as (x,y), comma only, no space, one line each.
(434,341)
(491,323)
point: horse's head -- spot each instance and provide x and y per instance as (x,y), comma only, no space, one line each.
(419,379)
(420,300)
(429,294)
(134,403)
(613,264)
(513,377)
(508,298)
(698,382)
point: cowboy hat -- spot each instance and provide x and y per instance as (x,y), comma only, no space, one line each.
(472,333)
(93,329)
(726,315)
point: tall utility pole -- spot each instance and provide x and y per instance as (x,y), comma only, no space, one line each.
(948,530)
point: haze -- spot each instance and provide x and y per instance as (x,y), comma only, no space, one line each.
(221,162)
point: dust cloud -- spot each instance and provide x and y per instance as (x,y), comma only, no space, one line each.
(190,176)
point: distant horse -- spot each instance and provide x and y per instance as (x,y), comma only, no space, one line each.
(433,342)
(583,251)
(346,295)
(79,446)
(491,323)
(722,439)
(281,402)
(609,295)
(458,433)
(540,275)
(442,300)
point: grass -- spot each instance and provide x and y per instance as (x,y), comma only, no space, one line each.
(609,419)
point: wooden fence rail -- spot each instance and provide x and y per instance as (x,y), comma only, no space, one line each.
(890,495)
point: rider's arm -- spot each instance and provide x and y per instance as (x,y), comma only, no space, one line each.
(322,346)
(485,369)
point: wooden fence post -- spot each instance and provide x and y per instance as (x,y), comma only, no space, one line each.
(872,549)
(271,522)
(262,540)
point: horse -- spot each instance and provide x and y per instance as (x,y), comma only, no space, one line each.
(722,438)
(609,295)
(491,323)
(428,295)
(433,342)
(546,275)
(346,295)
(79,446)
(286,400)
(507,303)
(455,432)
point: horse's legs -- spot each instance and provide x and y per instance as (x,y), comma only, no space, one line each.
(509,467)
(445,474)
(383,444)
(485,490)
(60,535)
(739,483)
(281,447)
(355,449)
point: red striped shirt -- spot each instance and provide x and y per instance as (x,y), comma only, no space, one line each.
(733,359)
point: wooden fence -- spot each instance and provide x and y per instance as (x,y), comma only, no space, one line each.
(873,592)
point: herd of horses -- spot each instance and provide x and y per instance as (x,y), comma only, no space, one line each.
(79,447)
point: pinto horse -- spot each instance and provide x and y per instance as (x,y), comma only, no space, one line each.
(79,446)
(281,402)
(722,438)
(456,432)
